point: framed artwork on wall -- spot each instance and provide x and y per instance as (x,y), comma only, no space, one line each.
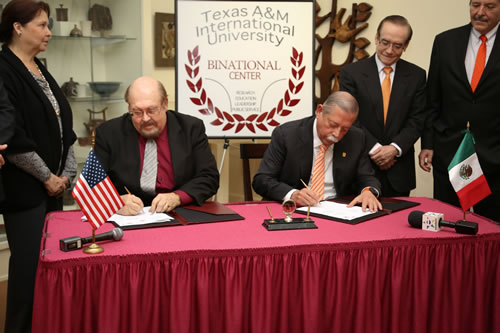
(164,46)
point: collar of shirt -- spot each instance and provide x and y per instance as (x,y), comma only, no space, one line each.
(491,35)
(380,68)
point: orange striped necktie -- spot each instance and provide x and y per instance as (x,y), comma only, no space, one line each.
(386,90)
(479,66)
(318,178)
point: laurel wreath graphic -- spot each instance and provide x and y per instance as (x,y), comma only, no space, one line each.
(261,121)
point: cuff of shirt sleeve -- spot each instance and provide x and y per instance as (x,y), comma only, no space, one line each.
(185,198)
(400,151)
(289,194)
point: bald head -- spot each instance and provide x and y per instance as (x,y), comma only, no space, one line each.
(146,83)
(148,105)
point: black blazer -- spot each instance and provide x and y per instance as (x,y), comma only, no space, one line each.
(37,129)
(405,116)
(289,159)
(195,169)
(451,104)
(7,123)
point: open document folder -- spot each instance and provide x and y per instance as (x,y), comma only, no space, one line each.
(337,210)
(191,214)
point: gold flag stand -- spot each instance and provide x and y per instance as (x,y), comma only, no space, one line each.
(93,248)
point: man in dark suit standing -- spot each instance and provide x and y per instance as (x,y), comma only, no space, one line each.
(464,86)
(6,127)
(392,119)
(162,157)
(324,151)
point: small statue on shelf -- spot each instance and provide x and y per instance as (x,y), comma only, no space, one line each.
(70,88)
(75,32)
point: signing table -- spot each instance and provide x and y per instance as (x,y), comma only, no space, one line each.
(378,276)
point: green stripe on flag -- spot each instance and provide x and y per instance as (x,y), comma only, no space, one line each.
(465,150)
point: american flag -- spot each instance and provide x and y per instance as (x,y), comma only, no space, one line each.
(95,193)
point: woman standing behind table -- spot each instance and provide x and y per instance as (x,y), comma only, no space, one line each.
(40,161)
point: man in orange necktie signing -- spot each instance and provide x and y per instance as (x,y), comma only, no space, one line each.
(325,152)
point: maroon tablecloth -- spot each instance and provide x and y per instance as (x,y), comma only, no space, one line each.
(377,276)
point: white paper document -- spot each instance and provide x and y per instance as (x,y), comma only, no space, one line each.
(145,217)
(336,210)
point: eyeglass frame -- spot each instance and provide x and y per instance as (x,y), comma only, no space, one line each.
(139,114)
(395,46)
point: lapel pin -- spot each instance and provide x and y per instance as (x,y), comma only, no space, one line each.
(344,154)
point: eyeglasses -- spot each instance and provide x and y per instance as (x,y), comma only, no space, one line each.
(395,46)
(140,114)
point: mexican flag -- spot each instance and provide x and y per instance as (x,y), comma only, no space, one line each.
(466,175)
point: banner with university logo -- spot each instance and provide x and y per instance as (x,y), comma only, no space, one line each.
(466,175)
(244,67)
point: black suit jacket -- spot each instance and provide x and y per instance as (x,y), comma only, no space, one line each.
(405,116)
(195,169)
(289,159)
(7,123)
(37,129)
(451,104)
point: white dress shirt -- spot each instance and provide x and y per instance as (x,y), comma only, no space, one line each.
(473,46)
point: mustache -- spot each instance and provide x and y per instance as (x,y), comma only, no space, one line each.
(148,123)
(333,139)
(480,18)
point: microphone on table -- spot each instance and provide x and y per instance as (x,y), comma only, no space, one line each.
(434,222)
(76,242)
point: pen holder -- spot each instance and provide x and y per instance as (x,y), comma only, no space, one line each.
(296,223)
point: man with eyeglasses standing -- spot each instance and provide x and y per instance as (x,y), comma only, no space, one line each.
(464,87)
(391,96)
(162,157)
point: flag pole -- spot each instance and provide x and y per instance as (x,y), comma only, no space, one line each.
(93,248)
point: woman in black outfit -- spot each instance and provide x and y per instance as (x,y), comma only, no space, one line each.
(40,162)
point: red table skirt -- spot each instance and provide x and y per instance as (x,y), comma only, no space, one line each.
(405,285)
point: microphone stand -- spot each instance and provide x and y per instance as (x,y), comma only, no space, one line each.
(93,248)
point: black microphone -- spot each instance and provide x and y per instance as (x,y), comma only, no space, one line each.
(416,218)
(75,242)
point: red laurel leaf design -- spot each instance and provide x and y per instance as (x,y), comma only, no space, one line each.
(251,118)
(228,117)
(261,126)
(229,121)
(299,87)
(196,101)
(189,71)
(250,127)
(261,118)
(191,86)
(301,72)
(203,96)
(218,113)
(239,127)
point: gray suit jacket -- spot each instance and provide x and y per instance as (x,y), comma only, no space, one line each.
(289,159)
(405,117)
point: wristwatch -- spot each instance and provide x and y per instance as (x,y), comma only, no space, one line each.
(371,189)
